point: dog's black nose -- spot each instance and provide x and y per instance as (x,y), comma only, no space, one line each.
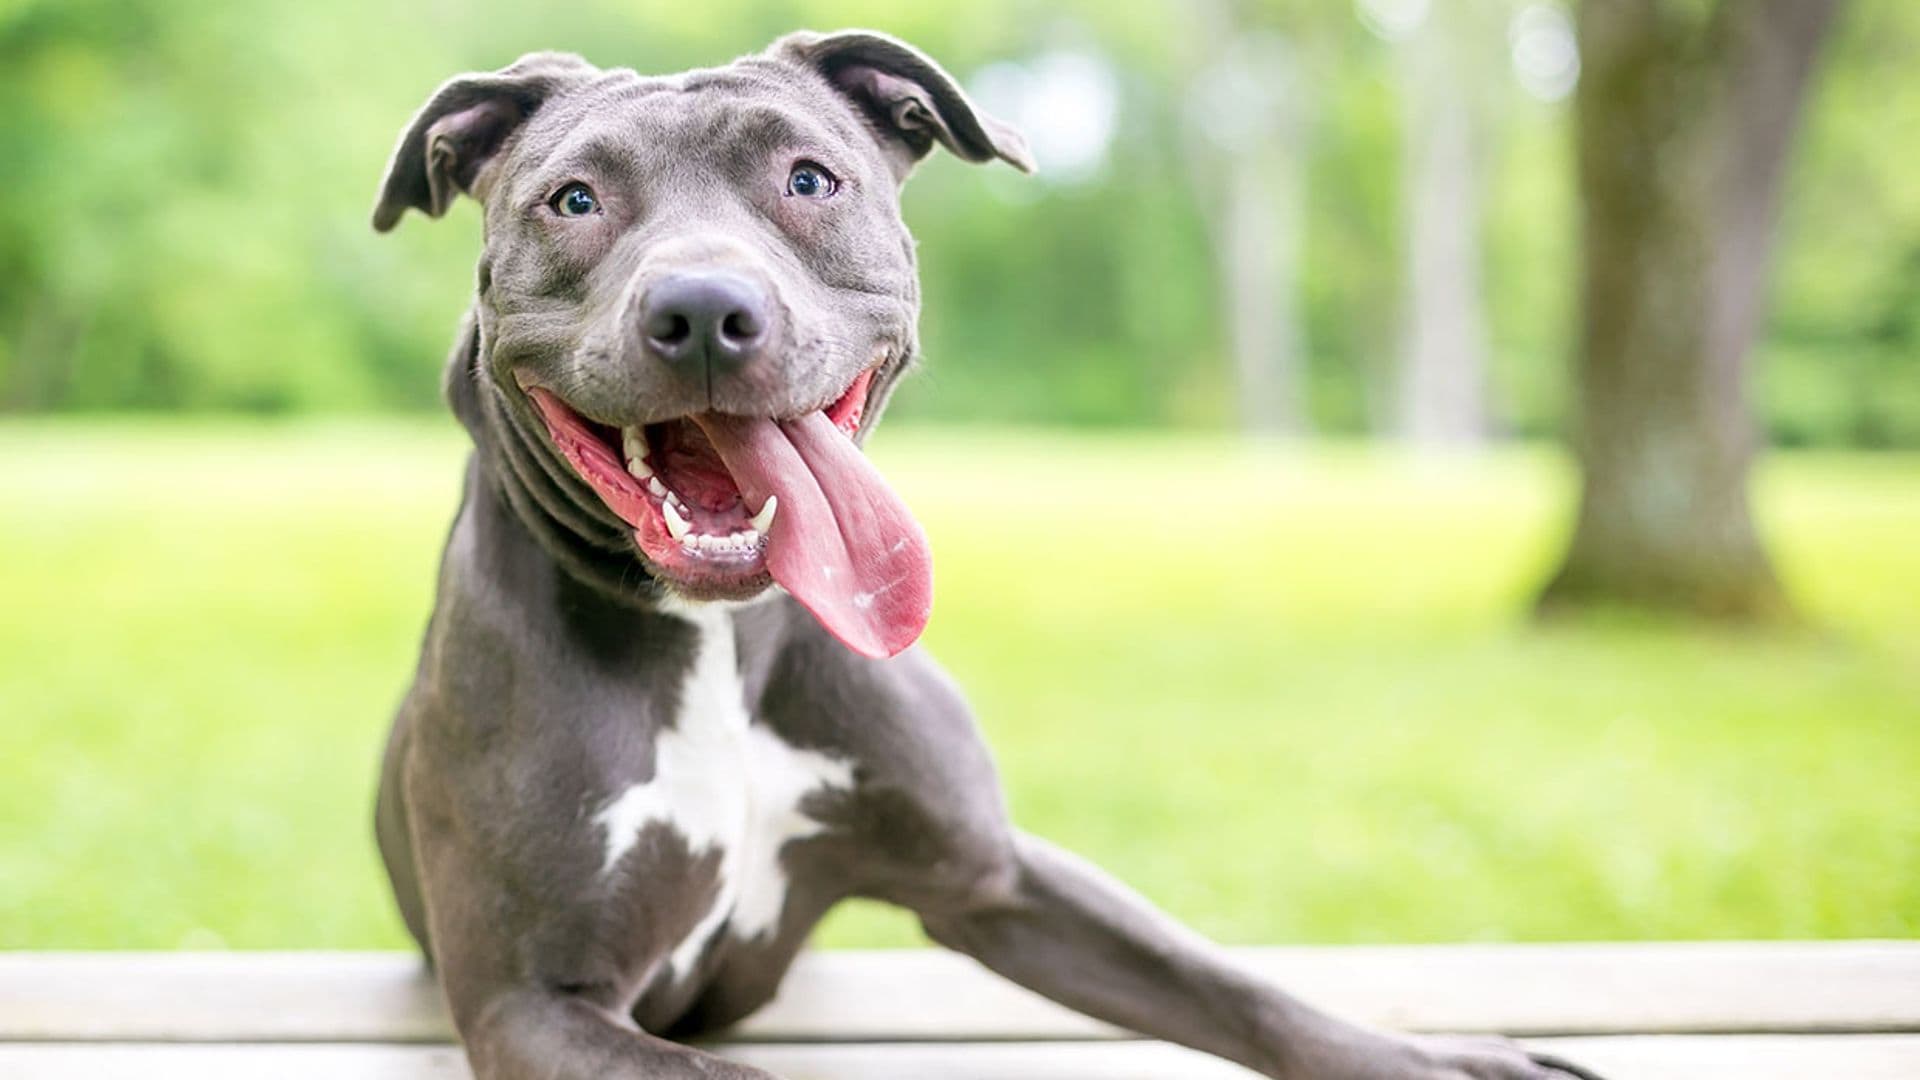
(718,317)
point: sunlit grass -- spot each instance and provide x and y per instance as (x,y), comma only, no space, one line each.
(1287,692)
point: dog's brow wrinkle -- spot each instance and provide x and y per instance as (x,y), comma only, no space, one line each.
(602,155)
(757,127)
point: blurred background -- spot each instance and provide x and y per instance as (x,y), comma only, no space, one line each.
(1403,471)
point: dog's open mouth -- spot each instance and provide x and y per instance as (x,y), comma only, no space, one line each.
(718,504)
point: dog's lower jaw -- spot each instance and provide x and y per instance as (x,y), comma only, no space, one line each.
(741,592)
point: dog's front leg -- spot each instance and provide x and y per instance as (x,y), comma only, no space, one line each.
(1063,928)
(545,1034)
(518,1026)
(538,991)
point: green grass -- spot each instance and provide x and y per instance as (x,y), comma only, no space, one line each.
(1287,693)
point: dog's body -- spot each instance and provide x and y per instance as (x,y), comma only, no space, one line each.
(630,777)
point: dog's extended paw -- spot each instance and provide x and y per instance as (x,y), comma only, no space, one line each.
(1494,1059)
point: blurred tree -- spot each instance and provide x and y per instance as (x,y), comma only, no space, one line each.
(1246,153)
(1441,392)
(1685,113)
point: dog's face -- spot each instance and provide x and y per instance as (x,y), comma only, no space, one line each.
(695,294)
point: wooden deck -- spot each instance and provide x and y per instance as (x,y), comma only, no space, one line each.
(1825,1011)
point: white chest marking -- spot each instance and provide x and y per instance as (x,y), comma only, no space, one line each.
(727,785)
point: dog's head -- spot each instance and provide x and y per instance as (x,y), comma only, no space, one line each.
(695,295)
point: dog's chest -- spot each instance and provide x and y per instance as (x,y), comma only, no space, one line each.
(724,785)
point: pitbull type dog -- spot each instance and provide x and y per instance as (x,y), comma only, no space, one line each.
(631,773)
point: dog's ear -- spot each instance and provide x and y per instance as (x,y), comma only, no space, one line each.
(462,127)
(909,101)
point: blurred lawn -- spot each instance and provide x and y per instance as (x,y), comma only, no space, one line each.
(1284,692)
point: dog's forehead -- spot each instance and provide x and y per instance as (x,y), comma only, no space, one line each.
(751,104)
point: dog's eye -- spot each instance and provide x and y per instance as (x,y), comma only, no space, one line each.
(811,181)
(574,200)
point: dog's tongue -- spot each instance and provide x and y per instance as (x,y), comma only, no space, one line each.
(841,541)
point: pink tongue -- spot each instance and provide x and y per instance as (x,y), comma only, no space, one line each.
(842,542)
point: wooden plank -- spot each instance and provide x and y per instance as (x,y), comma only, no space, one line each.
(219,997)
(1516,989)
(1619,1057)
(930,995)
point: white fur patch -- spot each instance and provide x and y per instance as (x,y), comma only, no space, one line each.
(727,785)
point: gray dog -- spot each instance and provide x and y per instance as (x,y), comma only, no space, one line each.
(631,774)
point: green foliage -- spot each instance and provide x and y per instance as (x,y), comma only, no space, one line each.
(1302,708)
(186,191)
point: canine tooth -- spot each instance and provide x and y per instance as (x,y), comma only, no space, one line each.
(677,526)
(764,519)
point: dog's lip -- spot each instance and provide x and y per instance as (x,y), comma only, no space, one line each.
(527,382)
(600,461)
(727,572)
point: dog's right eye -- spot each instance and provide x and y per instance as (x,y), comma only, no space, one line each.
(574,200)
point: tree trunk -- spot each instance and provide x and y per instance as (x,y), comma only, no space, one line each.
(1685,113)
(1442,384)
(1257,238)
(1246,149)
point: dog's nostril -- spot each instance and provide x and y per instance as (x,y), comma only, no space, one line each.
(670,328)
(740,326)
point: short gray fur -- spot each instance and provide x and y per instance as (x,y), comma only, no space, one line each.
(554,660)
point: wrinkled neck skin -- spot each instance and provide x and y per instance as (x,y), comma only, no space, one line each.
(517,459)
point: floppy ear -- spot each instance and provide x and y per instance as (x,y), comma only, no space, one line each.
(909,101)
(462,127)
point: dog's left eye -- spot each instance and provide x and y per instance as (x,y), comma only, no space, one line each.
(811,181)
(574,200)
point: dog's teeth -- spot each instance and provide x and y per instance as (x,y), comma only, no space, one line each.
(633,442)
(677,526)
(658,489)
(764,519)
(746,541)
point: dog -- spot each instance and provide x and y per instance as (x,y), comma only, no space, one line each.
(668,710)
